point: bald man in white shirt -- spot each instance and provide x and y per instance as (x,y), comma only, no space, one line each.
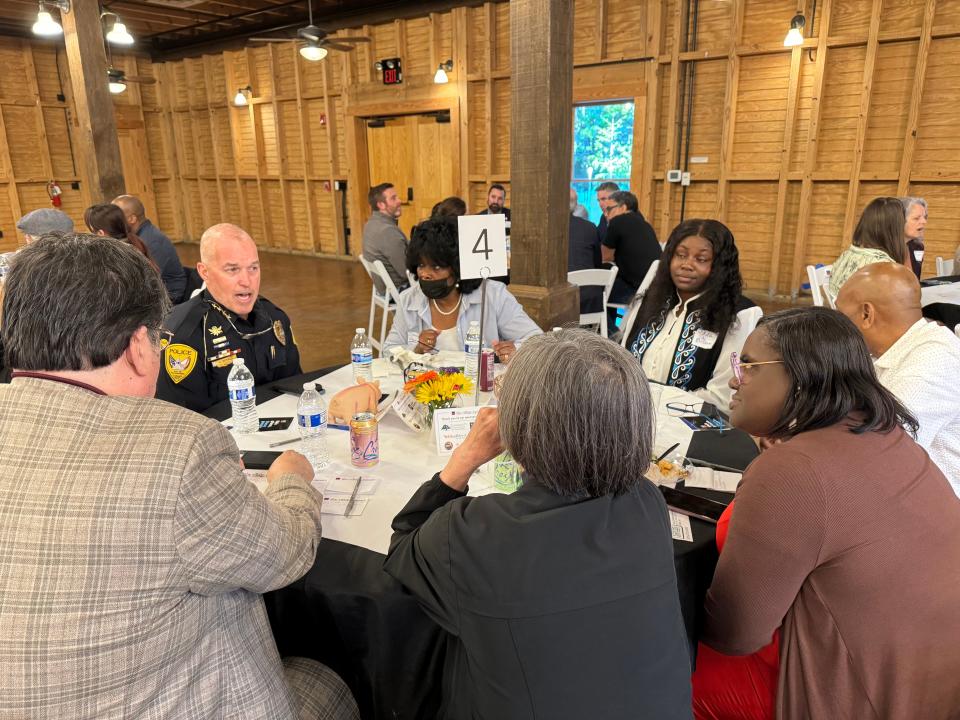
(917,360)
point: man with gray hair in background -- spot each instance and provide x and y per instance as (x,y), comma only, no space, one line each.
(133,549)
(160,247)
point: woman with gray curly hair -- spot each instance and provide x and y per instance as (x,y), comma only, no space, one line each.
(562,597)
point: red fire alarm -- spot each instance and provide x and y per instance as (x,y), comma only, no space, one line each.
(326,186)
(323,118)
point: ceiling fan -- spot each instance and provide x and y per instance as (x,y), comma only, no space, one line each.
(314,40)
(117,79)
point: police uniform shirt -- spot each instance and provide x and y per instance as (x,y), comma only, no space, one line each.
(207,338)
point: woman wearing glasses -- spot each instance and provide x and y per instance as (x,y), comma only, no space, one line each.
(694,314)
(844,534)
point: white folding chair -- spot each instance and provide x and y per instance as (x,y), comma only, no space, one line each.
(944,267)
(595,278)
(641,291)
(393,295)
(382,300)
(819,278)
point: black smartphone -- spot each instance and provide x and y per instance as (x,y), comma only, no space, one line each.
(259,459)
(693,505)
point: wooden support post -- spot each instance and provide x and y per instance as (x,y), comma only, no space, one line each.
(212,103)
(672,111)
(6,167)
(256,124)
(783,182)
(97,148)
(459,22)
(810,159)
(162,73)
(651,129)
(866,90)
(729,109)
(488,71)
(304,126)
(919,75)
(339,232)
(600,33)
(281,148)
(540,156)
(32,83)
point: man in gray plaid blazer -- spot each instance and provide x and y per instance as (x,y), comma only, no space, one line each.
(132,549)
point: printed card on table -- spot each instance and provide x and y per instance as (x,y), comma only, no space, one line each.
(680,527)
(451,426)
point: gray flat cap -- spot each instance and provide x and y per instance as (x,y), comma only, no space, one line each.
(44,220)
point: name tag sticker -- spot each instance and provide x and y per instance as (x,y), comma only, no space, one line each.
(704,339)
(918,254)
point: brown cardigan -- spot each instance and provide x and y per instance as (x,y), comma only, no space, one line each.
(851,544)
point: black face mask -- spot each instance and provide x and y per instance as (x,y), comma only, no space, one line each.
(435,289)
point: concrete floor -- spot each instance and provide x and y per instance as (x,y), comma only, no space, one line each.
(327,300)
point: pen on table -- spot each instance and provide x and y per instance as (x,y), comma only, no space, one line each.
(284,442)
(715,466)
(668,451)
(353,497)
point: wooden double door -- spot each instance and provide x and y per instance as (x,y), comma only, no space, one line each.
(415,153)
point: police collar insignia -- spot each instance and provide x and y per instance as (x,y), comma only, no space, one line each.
(216,330)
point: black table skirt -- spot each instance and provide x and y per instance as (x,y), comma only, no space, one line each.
(349,614)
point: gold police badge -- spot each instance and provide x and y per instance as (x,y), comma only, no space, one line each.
(278,331)
(179,361)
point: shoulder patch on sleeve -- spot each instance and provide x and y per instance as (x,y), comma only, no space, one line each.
(179,361)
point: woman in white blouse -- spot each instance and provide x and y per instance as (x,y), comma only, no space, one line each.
(435,312)
(694,313)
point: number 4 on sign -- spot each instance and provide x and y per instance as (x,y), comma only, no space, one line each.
(483,246)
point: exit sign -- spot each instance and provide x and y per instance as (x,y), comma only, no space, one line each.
(392,74)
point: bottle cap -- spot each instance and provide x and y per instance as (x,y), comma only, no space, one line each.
(360,331)
(238,361)
(308,385)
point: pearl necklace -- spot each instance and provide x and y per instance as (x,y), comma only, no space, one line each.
(449,312)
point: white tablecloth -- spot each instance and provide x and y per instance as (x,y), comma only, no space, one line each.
(940,294)
(407,458)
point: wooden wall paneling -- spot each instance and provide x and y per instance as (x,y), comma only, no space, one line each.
(729,108)
(261,161)
(14,198)
(887,122)
(910,139)
(663,229)
(336,219)
(287,206)
(488,71)
(233,113)
(304,150)
(813,139)
(796,56)
(600,32)
(34,89)
(213,94)
(863,117)
(937,153)
(651,109)
(165,95)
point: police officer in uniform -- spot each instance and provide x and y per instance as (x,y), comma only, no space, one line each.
(225,321)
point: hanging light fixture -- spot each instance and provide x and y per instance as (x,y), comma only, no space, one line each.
(240,99)
(116,86)
(46,26)
(795,34)
(440,77)
(118,34)
(313,53)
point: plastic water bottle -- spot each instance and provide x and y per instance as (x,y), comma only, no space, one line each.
(361,355)
(471,350)
(4,264)
(312,422)
(243,398)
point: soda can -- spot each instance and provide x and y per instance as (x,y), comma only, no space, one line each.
(486,370)
(364,440)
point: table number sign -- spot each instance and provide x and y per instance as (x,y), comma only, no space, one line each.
(483,246)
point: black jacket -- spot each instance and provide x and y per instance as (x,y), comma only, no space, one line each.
(206,339)
(583,253)
(560,608)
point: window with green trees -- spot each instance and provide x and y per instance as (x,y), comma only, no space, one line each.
(602,150)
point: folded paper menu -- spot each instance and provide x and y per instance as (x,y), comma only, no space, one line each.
(704,477)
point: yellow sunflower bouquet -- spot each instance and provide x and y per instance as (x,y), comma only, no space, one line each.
(438,389)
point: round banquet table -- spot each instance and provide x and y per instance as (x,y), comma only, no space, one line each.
(349,614)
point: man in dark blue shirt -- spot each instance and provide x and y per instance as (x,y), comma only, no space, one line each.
(159,245)
(604,191)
